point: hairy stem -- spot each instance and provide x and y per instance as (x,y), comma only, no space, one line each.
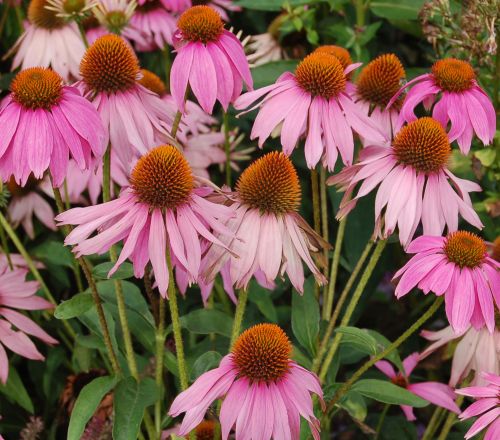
(227,148)
(238,315)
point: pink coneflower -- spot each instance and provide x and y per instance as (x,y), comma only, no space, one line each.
(488,404)
(71,10)
(274,238)
(221,6)
(315,103)
(115,15)
(43,123)
(48,40)
(15,328)
(462,102)
(93,29)
(476,350)
(437,393)
(266,393)
(134,117)
(415,183)
(172,5)
(458,267)
(162,207)
(209,58)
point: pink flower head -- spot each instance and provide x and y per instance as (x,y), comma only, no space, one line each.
(171,5)
(437,393)
(462,103)
(476,350)
(315,103)
(415,183)
(162,207)
(49,41)
(458,267)
(273,237)
(15,328)
(209,58)
(222,6)
(43,124)
(488,405)
(135,118)
(265,392)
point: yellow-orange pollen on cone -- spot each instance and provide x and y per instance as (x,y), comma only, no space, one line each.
(339,52)
(37,87)
(379,81)
(109,65)
(321,74)
(262,353)
(465,249)
(270,184)
(423,145)
(201,23)
(162,178)
(204,431)
(453,75)
(42,17)
(152,82)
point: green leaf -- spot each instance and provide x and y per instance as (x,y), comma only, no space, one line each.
(131,398)
(382,344)
(269,5)
(261,297)
(486,156)
(355,405)
(15,391)
(305,317)
(369,33)
(268,73)
(387,392)
(397,9)
(205,362)
(359,338)
(86,404)
(54,252)
(126,270)
(207,321)
(76,306)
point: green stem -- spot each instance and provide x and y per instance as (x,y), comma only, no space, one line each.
(361,7)
(160,349)
(227,148)
(452,417)
(352,305)
(367,365)
(106,175)
(433,424)
(338,307)
(381,420)
(5,247)
(238,315)
(168,65)
(82,33)
(175,126)
(316,203)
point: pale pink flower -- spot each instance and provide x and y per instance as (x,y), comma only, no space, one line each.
(162,207)
(437,393)
(115,16)
(314,102)
(462,102)
(209,58)
(476,350)
(43,124)
(265,392)
(458,267)
(415,183)
(264,48)
(172,5)
(15,328)
(94,30)
(487,408)
(273,237)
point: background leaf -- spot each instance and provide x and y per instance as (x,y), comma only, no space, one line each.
(387,392)
(305,317)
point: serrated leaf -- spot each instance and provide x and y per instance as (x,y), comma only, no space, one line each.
(387,392)
(306,317)
(76,306)
(126,270)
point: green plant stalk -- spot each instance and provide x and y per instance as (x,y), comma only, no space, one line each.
(175,125)
(361,6)
(367,365)
(352,305)
(452,417)
(5,247)
(160,349)
(167,64)
(316,202)
(381,420)
(434,423)
(82,33)
(338,307)
(238,316)
(227,148)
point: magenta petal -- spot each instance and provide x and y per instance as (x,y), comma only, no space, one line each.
(180,73)
(157,246)
(436,393)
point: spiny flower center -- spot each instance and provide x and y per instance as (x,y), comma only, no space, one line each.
(321,74)
(162,178)
(453,75)
(201,23)
(465,249)
(42,17)
(37,87)
(152,82)
(205,430)
(339,52)
(109,65)
(270,184)
(379,81)
(262,353)
(423,145)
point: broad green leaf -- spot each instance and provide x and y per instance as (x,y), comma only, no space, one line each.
(261,297)
(387,392)
(126,270)
(397,9)
(75,306)
(131,398)
(486,156)
(269,5)
(305,317)
(268,73)
(360,338)
(86,404)
(54,252)
(355,404)
(15,391)
(207,361)
(207,321)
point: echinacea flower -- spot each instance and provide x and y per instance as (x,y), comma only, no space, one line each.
(263,48)
(93,29)
(265,392)
(415,183)
(487,408)
(161,208)
(15,328)
(274,238)
(458,267)
(71,9)
(476,350)
(339,52)
(209,58)
(314,103)
(49,41)
(437,393)
(135,118)
(115,15)
(44,123)
(462,102)
(204,431)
